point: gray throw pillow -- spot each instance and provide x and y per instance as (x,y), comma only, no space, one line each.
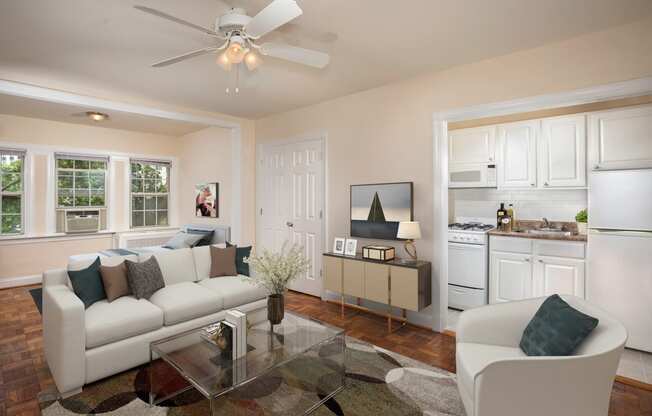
(183,240)
(144,278)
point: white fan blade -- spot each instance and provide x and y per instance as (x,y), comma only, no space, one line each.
(276,14)
(177,20)
(295,54)
(184,57)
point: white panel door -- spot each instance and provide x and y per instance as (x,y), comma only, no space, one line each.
(621,139)
(562,152)
(475,145)
(292,205)
(554,275)
(510,277)
(517,155)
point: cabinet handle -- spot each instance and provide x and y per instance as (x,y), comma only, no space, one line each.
(545,184)
(596,167)
(540,261)
(528,260)
(532,184)
(491,159)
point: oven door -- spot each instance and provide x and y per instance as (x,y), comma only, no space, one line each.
(467,265)
(471,175)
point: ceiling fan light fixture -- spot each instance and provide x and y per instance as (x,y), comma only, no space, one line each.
(236,50)
(252,60)
(224,61)
(96,116)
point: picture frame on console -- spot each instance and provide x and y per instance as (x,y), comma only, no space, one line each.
(338,245)
(351,247)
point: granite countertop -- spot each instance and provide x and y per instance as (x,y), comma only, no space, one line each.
(521,227)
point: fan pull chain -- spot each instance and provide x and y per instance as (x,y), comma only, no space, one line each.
(237,81)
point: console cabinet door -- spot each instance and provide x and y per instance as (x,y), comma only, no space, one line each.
(405,288)
(332,274)
(376,282)
(562,152)
(510,277)
(474,145)
(517,155)
(562,276)
(353,278)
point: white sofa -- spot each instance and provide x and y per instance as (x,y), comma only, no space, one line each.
(82,346)
(495,377)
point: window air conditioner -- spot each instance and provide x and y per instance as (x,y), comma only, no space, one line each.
(82,221)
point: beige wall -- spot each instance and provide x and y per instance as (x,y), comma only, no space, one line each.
(385,134)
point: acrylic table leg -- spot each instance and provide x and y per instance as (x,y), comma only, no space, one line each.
(342,305)
(151,379)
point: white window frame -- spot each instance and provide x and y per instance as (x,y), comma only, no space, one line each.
(167,194)
(90,158)
(22,154)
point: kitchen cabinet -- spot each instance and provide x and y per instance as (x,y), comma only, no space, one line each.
(620,139)
(517,155)
(522,268)
(474,145)
(562,152)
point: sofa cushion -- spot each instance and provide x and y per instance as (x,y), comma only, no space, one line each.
(235,290)
(202,257)
(177,265)
(185,301)
(115,281)
(125,317)
(87,283)
(473,358)
(144,278)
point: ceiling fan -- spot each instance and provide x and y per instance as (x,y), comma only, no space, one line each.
(241,34)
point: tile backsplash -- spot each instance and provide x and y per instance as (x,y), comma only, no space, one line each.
(556,205)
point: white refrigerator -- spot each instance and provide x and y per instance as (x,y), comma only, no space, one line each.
(619,277)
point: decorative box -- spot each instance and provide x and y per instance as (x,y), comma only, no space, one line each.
(382,253)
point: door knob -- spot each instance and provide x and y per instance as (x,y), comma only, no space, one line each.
(289,224)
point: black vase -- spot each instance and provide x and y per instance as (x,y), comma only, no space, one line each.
(275,308)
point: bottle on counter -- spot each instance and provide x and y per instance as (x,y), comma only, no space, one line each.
(512,215)
(500,214)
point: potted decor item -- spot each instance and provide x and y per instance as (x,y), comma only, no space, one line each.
(581,218)
(274,271)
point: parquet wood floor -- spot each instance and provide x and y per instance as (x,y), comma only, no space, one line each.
(24,373)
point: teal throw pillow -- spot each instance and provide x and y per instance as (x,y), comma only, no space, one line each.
(241,253)
(87,283)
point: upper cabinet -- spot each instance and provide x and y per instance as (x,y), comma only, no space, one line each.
(475,145)
(517,155)
(621,139)
(562,152)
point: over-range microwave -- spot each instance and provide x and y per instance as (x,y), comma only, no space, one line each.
(472,175)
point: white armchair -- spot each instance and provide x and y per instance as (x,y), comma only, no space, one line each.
(495,377)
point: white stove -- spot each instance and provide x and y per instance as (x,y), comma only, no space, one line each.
(468,264)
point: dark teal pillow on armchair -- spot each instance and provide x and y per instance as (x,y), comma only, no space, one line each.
(87,283)
(241,253)
(557,329)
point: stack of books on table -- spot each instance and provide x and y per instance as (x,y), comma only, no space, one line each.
(233,333)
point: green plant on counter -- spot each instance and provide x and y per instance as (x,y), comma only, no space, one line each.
(582,216)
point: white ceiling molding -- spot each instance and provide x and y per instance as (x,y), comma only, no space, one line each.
(18,89)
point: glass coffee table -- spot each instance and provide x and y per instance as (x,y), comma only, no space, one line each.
(297,341)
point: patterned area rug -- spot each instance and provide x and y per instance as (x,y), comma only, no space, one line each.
(378,382)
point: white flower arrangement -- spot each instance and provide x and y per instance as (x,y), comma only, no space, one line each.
(274,271)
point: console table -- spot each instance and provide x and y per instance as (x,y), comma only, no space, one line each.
(396,283)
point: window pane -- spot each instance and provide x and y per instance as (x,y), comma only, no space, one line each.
(150,218)
(162,217)
(150,202)
(81,180)
(65,180)
(137,219)
(136,185)
(97,198)
(151,172)
(10,224)
(150,185)
(10,204)
(162,202)
(98,165)
(161,186)
(65,163)
(136,170)
(10,163)
(81,200)
(11,182)
(96,180)
(137,203)
(65,198)
(82,164)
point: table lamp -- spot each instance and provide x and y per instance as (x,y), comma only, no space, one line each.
(410,231)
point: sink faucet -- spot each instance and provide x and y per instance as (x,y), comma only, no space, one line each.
(546,223)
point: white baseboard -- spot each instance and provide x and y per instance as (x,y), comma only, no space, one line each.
(20,281)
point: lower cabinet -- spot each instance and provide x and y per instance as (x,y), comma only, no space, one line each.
(531,272)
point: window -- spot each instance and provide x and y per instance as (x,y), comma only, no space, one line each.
(81,182)
(11,191)
(150,187)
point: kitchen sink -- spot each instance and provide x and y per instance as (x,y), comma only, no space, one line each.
(547,231)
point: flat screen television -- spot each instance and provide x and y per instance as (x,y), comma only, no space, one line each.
(376,209)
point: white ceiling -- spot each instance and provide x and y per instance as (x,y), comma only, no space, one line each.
(106,47)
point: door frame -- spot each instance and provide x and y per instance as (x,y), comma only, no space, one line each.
(261,147)
(440,120)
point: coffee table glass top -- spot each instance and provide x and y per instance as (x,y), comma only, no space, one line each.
(201,364)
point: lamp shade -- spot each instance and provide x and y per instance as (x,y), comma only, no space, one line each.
(409,230)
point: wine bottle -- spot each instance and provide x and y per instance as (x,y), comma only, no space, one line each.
(500,214)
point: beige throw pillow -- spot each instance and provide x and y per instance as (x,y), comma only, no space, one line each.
(223,262)
(115,281)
